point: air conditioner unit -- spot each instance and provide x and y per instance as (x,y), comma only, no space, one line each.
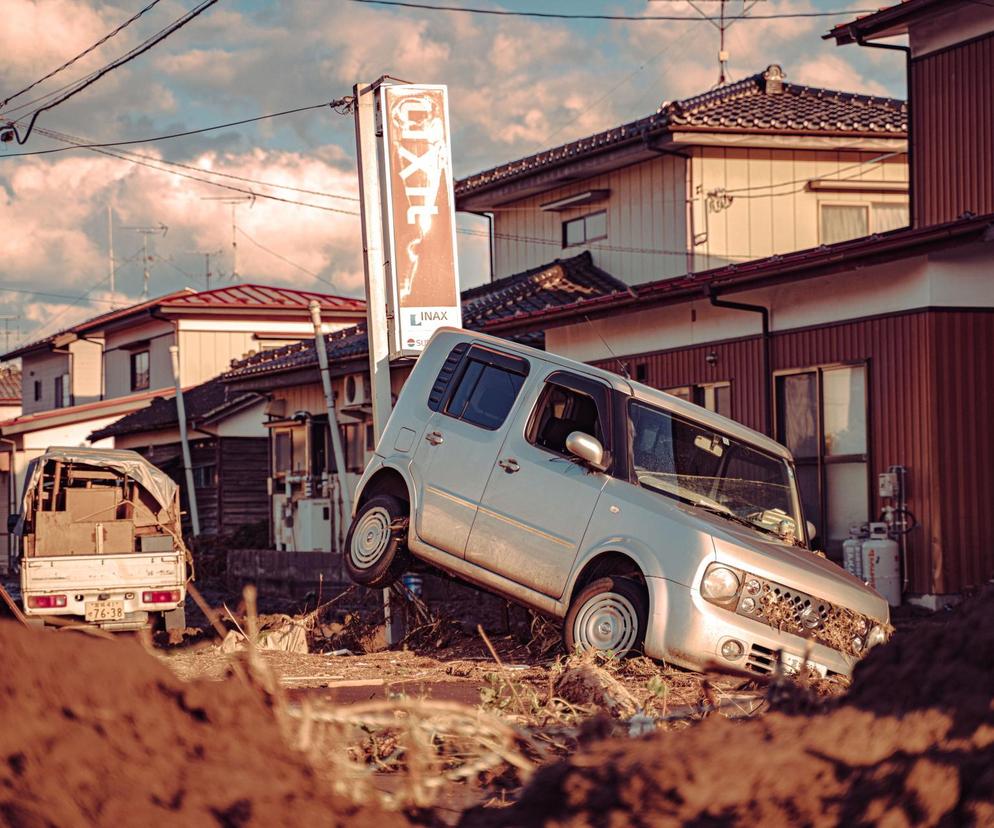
(357,389)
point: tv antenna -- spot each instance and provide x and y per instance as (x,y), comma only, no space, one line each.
(7,332)
(721,24)
(234,201)
(146,259)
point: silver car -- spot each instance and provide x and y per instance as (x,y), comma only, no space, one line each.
(646,523)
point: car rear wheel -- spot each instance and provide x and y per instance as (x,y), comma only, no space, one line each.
(376,545)
(609,614)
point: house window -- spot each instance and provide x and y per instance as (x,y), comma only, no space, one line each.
(822,419)
(840,222)
(353,442)
(282,452)
(37,390)
(63,395)
(715,396)
(585,229)
(139,371)
(204,477)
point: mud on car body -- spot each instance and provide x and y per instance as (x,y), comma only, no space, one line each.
(643,522)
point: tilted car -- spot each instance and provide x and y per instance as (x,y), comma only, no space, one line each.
(646,523)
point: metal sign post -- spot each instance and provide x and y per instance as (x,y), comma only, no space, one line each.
(408,233)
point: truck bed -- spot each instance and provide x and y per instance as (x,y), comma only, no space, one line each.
(102,572)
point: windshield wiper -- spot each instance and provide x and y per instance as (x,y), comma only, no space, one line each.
(730,515)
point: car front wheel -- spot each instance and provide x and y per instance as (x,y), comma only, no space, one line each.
(609,614)
(376,545)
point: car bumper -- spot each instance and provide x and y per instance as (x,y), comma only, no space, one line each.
(686,630)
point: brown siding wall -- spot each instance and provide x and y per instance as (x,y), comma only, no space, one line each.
(931,388)
(242,473)
(952,94)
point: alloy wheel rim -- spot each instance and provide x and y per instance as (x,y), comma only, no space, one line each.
(607,621)
(370,538)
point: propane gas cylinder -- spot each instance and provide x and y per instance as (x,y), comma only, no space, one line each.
(882,564)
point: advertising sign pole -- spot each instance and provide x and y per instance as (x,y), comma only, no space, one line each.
(374,266)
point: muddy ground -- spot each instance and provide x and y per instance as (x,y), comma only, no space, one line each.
(498,728)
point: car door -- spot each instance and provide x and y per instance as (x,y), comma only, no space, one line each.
(539,499)
(461,441)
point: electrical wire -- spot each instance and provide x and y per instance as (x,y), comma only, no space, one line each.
(338,102)
(627,18)
(143,47)
(285,259)
(82,54)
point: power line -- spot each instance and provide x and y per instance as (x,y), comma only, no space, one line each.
(177,24)
(82,54)
(285,259)
(333,104)
(628,18)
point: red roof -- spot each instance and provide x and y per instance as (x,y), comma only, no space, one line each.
(244,298)
(263,297)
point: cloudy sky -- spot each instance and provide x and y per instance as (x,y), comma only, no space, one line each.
(516,85)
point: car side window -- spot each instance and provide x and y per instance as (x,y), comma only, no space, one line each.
(484,394)
(560,412)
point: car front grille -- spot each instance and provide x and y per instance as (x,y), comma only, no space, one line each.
(796,612)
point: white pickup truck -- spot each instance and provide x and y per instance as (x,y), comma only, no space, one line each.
(100,541)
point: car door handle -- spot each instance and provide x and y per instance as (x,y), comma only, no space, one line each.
(510,465)
(434,438)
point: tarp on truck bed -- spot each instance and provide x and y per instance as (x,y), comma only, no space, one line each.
(122,461)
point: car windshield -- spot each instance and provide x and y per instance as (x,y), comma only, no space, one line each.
(688,461)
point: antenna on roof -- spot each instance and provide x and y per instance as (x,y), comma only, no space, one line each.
(234,202)
(146,259)
(722,25)
(621,365)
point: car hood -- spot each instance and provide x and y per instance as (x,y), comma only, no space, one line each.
(796,567)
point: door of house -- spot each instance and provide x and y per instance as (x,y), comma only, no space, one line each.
(822,419)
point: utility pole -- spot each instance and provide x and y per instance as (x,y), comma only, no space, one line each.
(7,332)
(146,260)
(234,202)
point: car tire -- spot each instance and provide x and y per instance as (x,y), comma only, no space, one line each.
(376,544)
(608,614)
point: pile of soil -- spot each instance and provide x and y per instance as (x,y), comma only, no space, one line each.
(96,732)
(912,744)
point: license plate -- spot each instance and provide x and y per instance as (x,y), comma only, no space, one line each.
(104,610)
(793,664)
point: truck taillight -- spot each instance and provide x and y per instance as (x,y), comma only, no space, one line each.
(162,596)
(46,601)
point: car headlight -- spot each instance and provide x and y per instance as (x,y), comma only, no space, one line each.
(720,584)
(877,636)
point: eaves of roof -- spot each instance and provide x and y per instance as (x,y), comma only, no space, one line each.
(889,21)
(802,264)
(78,413)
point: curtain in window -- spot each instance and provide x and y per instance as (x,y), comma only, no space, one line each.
(840,222)
(889,217)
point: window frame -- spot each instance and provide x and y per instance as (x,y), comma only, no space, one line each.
(488,357)
(582,221)
(870,208)
(133,357)
(63,391)
(823,459)
(37,391)
(596,391)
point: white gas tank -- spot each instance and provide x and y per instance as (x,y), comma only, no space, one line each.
(852,552)
(882,564)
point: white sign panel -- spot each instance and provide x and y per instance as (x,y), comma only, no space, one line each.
(419,213)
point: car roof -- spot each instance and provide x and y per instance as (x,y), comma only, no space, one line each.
(634,389)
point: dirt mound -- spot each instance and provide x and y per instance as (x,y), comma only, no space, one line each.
(912,744)
(96,732)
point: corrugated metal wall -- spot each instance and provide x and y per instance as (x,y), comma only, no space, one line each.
(931,391)
(953,131)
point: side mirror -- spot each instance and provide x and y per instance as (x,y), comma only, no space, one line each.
(12,521)
(812,530)
(587,448)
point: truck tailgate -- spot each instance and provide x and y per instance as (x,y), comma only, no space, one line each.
(79,572)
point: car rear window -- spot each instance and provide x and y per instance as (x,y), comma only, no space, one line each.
(484,394)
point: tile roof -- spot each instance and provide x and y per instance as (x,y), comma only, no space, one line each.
(561,282)
(887,21)
(203,403)
(248,298)
(10,384)
(757,104)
